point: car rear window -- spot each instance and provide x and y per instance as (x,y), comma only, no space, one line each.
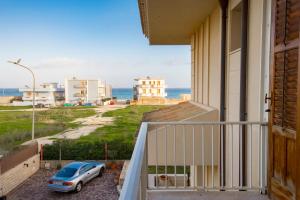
(66,172)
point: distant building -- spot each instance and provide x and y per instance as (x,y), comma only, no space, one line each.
(48,94)
(86,91)
(149,87)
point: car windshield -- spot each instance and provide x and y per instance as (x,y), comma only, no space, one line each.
(66,172)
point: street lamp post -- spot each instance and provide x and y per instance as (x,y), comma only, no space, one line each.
(33,92)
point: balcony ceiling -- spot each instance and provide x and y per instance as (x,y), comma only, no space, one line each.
(173,21)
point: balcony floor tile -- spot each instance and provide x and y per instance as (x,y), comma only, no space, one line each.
(193,195)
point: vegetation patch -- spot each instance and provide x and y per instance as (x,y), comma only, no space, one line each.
(115,141)
(14,107)
(15,126)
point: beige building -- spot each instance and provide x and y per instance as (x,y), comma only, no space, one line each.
(149,87)
(245,69)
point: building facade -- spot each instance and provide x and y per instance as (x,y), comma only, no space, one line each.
(48,94)
(245,65)
(149,87)
(80,91)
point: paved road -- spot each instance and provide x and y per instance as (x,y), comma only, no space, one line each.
(35,188)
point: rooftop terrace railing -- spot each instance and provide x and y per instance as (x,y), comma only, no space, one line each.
(188,156)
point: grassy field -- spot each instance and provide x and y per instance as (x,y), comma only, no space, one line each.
(14,107)
(15,126)
(119,138)
(125,126)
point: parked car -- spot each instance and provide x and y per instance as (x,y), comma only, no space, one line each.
(73,176)
(40,105)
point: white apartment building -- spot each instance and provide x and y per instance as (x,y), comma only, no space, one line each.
(241,129)
(149,87)
(48,94)
(86,91)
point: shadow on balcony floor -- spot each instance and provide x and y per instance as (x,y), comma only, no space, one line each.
(188,195)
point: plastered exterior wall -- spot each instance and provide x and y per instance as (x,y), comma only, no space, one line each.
(206,61)
(92,91)
(255,87)
(14,177)
(205,76)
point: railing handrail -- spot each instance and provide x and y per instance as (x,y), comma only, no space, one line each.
(209,123)
(131,184)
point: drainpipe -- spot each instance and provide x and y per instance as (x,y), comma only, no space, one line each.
(243,91)
(224,5)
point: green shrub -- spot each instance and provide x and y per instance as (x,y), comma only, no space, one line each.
(87,150)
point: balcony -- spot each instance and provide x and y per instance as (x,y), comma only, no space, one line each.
(79,95)
(183,160)
(150,85)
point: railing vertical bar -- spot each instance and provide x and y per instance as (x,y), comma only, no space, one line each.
(136,183)
(156,152)
(140,190)
(194,175)
(263,146)
(240,159)
(175,166)
(260,157)
(184,169)
(166,158)
(203,160)
(221,169)
(231,156)
(251,134)
(212,157)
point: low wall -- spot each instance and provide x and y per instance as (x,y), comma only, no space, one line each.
(156,101)
(15,176)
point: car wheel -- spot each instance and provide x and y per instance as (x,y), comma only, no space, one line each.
(78,187)
(101,172)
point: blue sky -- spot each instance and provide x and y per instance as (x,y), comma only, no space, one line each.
(83,38)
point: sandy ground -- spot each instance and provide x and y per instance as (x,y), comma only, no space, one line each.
(89,124)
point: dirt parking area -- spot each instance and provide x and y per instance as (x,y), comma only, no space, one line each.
(35,188)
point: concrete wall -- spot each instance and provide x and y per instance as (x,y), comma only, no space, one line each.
(92,91)
(206,55)
(205,73)
(15,176)
(70,90)
(108,91)
(184,151)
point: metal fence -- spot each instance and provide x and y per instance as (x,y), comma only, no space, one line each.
(17,156)
(188,156)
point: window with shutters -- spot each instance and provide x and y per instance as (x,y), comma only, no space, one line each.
(286,63)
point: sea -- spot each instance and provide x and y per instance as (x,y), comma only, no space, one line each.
(120,93)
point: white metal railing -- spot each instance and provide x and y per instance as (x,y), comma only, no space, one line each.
(188,156)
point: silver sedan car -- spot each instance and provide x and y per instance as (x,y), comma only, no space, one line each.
(74,175)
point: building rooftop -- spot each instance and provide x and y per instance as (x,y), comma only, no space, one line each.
(148,78)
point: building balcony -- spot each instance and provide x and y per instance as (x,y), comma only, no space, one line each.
(184,160)
(79,86)
(150,86)
(79,95)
